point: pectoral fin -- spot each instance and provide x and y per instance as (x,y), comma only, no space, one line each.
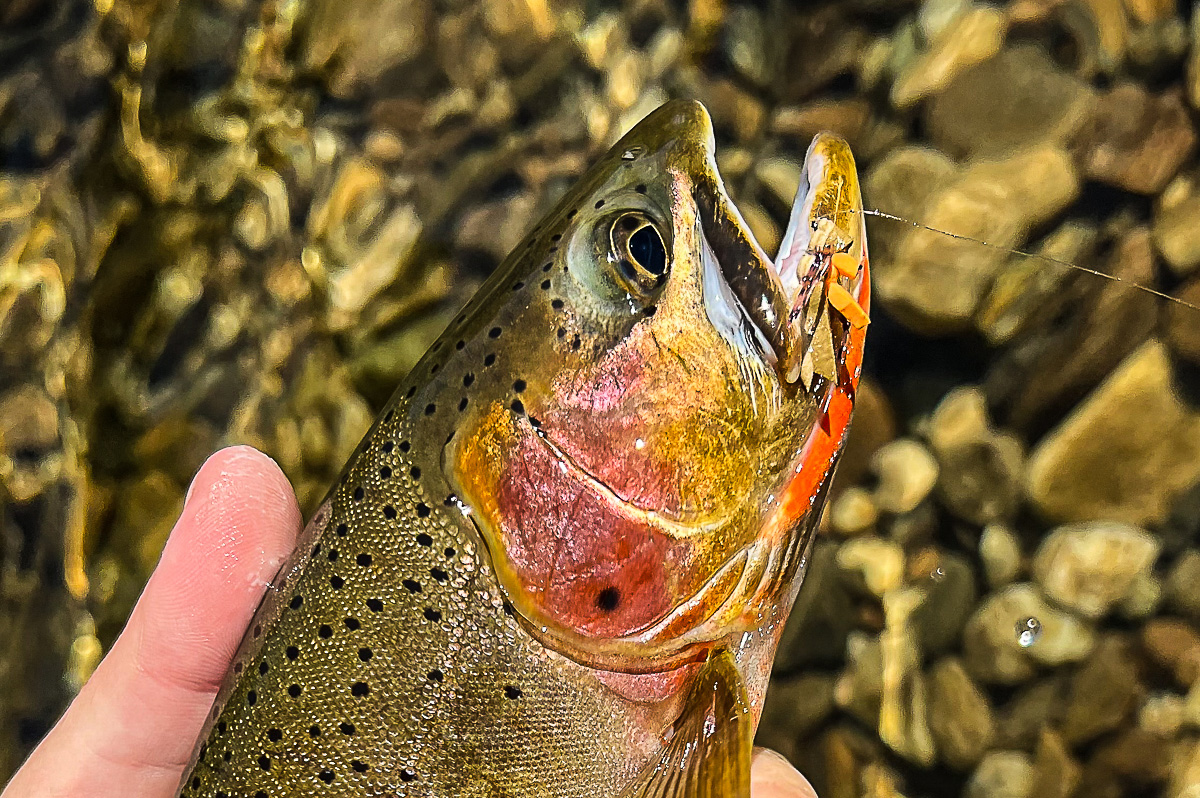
(709,754)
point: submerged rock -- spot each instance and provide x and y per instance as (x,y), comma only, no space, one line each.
(1104,692)
(960,717)
(1094,464)
(993,647)
(1136,140)
(1001,774)
(1091,567)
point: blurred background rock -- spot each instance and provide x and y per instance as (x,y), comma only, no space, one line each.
(231,221)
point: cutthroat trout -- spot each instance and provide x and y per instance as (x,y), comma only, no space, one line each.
(559,563)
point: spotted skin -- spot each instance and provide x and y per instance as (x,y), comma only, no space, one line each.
(490,601)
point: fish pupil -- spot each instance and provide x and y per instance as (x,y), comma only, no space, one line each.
(646,246)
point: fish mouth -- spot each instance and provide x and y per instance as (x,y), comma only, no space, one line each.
(783,297)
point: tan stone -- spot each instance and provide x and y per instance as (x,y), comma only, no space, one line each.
(1125,453)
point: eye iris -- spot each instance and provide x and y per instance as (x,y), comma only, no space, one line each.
(647,249)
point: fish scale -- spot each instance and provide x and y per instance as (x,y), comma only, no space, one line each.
(429,637)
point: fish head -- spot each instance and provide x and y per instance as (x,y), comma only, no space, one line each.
(665,403)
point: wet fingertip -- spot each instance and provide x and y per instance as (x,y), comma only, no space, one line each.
(772,776)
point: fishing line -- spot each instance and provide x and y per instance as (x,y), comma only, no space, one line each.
(1046,258)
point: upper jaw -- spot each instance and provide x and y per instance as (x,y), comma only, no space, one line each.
(784,296)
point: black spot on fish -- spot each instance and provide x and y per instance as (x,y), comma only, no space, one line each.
(494,332)
(325,631)
(364,654)
(237,668)
(332,555)
(314,731)
(439,574)
(265,763)
(297,600)
(640,188)
(409,393)
(363,559)
(435,675)
(519,386)
(389,512)
(468,378)
(518,285)
(359,493)
(221,727)
(294,690)
(342,529)
(326,776)
(407,775)
(258,630)
(251,698)
(423,510)
(449,552)
(460,345)
(509,610)
(599,204)
(490,359)
(336,582)
(649,310)
(293,653)
(430,409)
(346,729)
(359,689)
(518,407)
(608,599)
(385,472)
(405,446)
(391,413)
(462,404)
(562,332)
(547,267)
(432,615)
(274,735)
(375,605)
(557,304)
(359,767)
(387,447)
(424,539)
(512,693)
(352,623)
(263,667)
(415,472)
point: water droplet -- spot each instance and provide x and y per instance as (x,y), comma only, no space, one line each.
(639,444)
(938,574)
(1028,631)
(631,153)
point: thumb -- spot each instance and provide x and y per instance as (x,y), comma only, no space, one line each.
(772,776)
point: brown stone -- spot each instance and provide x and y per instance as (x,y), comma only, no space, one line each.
(1137,140)
(1175,645)
(1104,693)
(960,718)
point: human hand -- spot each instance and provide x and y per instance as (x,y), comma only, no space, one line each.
(132,728)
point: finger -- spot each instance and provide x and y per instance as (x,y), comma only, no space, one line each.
(132,728)
(772,776)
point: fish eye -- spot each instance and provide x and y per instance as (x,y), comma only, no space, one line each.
(638,252)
